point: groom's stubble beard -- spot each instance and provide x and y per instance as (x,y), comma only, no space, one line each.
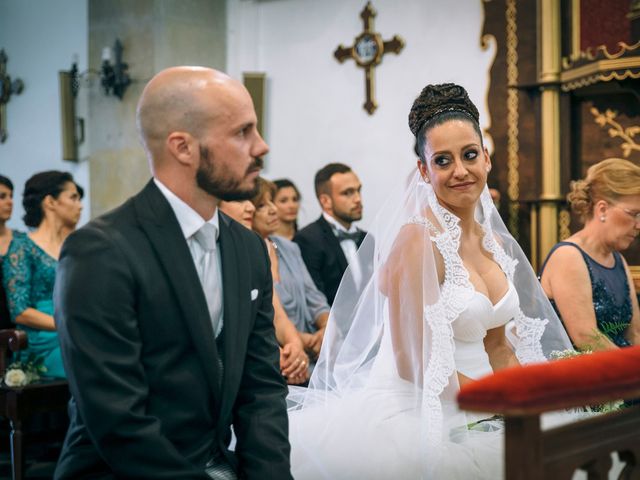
(226,189)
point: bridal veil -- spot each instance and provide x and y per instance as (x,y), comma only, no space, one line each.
(381,399)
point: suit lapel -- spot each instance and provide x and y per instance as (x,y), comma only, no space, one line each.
(163,231)
(331,239)
(236,275)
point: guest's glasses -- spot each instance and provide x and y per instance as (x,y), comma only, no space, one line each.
(632,214)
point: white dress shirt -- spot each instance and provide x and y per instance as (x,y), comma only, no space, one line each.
(190,223)
(348,246)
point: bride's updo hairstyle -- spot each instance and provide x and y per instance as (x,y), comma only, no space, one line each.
(606,180)
(436,105)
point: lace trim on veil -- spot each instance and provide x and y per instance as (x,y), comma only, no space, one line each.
(529,330)
(456,292)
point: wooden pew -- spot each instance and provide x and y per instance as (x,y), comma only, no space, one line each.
(522,394)
(19,404)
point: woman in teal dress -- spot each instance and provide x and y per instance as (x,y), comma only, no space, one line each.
(6,236)
(51,201)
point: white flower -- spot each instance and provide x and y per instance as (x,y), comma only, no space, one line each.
(15,378)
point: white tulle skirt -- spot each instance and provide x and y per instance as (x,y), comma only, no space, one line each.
(378,433)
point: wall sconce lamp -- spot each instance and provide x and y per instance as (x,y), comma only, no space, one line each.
(113,76)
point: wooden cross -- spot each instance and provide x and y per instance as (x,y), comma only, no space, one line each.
(367,51)
(7,87)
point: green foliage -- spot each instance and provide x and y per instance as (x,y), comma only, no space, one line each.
(24,372)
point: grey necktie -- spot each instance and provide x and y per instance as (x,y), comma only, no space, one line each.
(209,274)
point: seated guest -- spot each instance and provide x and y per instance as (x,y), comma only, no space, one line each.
(305,305)
(287,201)
(329,244)
(6,235)
(52,206)
(293,360)
(585,276)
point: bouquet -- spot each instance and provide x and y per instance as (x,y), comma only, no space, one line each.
(602,408)
(22,373)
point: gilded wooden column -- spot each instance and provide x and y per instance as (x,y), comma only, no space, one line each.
(549,76)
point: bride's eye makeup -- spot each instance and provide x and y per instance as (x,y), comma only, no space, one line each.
(441,161)
(471,154)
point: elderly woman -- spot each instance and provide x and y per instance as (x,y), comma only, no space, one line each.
(293,360)
(51,201)
(585,276)
(305,305)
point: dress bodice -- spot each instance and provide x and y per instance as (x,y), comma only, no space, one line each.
(611,295)
(481,315)
(471,326)
(29,275)
(477,315)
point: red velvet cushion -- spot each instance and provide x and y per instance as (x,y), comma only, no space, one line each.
(584,380)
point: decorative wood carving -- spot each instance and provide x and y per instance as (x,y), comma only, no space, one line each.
(594,77)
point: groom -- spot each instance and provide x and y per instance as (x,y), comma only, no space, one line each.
(164,309)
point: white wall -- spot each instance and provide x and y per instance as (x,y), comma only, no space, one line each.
(314,111)
(40,39)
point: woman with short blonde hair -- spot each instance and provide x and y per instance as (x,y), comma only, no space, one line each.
(585,276)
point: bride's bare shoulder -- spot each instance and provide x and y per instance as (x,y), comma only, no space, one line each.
(414,248)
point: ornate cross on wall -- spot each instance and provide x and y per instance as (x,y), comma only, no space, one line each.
(7,87)
(367,51)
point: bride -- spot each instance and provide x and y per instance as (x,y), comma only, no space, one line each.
(447,279)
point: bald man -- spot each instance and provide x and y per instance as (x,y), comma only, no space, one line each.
(163,306)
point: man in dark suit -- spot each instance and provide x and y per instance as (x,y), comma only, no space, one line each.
(164,309)
(330,243)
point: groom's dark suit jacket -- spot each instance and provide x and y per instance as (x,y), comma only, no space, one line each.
(323,256)
(149,396)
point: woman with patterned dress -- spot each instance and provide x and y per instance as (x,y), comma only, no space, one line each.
(446,279)
(586,278)
(51,201)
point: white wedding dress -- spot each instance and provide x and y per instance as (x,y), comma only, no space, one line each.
(373,434)
(381,402)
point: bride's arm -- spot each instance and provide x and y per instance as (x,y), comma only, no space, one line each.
(497,346)
(409,279)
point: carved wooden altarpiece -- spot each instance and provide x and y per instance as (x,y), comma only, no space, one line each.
(564,94)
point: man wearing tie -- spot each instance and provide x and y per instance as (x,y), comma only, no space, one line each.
(329,244)
(163,306)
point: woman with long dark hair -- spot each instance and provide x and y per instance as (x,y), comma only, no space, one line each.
(52,204)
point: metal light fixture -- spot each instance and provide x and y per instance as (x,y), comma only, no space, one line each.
(113,76)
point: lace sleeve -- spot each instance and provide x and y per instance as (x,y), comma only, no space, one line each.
(17,269)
